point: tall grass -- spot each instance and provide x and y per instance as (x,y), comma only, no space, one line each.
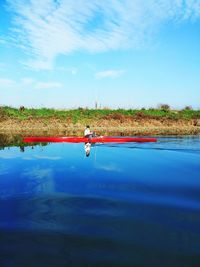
(84,114)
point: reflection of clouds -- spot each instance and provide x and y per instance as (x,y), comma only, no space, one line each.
(72,168)
(3,169)
(109,167)
(13,155)
(34,157)
(28,158)
(8,156)
(47,157)
(38,173)
(39,179)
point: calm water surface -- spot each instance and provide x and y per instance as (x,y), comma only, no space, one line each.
(124,205)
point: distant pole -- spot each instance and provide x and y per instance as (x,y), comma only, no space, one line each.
(96,97)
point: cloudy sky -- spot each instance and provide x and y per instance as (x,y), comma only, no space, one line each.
(120,53)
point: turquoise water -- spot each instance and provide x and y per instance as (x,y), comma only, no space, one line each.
(124,205)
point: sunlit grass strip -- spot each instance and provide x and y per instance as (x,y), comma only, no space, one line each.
(84,114)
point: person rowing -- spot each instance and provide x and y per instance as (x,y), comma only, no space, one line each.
(88,133)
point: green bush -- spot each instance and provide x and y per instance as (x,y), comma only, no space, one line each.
(85,114)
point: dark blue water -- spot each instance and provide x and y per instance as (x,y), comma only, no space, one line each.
(124,205)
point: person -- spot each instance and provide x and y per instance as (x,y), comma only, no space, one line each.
(87,149)
(88,133)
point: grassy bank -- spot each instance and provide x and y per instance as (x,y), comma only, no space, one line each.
(81,114)
(141,122)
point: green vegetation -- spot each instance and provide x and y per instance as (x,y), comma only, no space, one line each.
(84,114)
(153,121)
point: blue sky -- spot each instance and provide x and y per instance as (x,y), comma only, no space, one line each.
(120,53)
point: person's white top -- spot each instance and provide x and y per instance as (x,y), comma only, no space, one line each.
(87,131)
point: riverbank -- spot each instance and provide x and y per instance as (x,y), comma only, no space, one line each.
(103,127)
(104,121)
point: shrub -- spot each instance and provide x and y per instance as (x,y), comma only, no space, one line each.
(188,108)
(3,114)
(21,108)
(141,115)
(114,116)
(164,107)
(173,116)
(196,116)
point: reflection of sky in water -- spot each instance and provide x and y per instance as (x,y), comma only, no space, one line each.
(142,199)
(64,168)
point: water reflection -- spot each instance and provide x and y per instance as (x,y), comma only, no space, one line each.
(124,205)
(88,231)
(87,148)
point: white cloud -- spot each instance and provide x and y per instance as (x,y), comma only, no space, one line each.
(2,66)
(48,28)
(6,83)
(109,74)
(38,64)
(48,85)
(30,82)
(71,70)
(27,81)
(2,41)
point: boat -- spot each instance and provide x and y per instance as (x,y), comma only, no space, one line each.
(75,139)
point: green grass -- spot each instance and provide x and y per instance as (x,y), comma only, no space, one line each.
(85,115)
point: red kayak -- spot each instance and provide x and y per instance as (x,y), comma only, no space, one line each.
(74,139)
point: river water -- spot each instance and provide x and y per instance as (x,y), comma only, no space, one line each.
(123,205)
